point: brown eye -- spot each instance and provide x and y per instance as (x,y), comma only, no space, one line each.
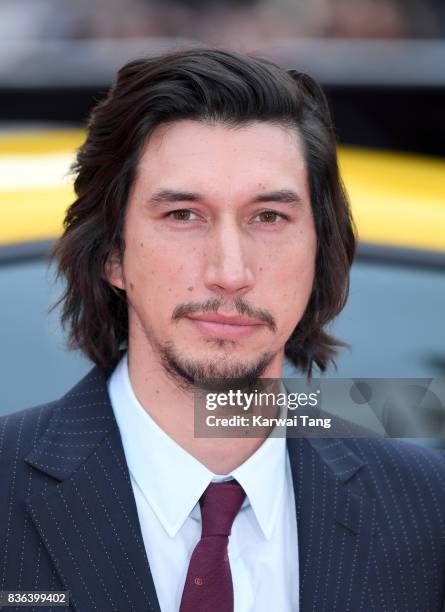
(182,214)
(269,217)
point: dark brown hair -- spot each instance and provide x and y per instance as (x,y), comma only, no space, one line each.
(204,85)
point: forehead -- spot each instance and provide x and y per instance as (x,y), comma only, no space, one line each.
(194,151)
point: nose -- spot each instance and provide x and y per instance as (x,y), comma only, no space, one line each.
(228,268)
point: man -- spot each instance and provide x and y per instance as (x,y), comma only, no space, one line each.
(210,237)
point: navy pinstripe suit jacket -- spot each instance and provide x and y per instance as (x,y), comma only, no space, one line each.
(370,514)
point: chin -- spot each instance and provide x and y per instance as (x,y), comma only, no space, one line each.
(186,366)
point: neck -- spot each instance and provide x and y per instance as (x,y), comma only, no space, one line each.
(172,408)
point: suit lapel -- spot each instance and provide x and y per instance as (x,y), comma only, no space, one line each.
(88,519)
(335,525)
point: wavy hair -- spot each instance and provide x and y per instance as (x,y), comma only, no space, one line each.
(204,85)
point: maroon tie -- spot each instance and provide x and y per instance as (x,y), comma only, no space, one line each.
(208,585)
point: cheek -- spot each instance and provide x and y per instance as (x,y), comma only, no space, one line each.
(296,264)
(158,273)
(292,280)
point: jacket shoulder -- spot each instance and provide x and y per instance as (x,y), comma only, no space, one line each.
(398,466)
(20,431)
(384,449)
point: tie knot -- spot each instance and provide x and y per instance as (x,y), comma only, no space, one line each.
(220,503)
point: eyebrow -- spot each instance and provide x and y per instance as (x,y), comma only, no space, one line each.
(169,196)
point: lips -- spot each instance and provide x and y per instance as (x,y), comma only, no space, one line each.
(225,320)
(220,326)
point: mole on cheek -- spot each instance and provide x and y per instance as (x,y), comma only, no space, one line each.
(142,244)
(261,269)
(190,288)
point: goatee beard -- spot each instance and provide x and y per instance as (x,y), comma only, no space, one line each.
(211,375)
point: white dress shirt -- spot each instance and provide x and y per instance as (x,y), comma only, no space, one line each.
(167,483)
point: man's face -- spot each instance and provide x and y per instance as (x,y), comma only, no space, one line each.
(218,223)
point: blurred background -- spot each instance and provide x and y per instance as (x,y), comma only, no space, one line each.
(382,65)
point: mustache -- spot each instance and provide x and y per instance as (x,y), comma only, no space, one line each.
(213,305)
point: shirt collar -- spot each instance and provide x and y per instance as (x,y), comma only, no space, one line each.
(172,480)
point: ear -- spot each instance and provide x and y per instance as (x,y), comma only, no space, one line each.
(114,273)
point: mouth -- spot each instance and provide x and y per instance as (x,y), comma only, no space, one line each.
(219,326)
